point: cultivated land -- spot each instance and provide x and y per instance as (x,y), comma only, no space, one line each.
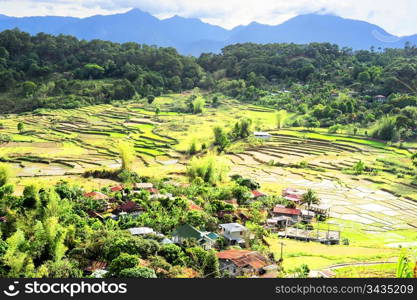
(375,212)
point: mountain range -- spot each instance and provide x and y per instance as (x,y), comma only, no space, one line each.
(192,36)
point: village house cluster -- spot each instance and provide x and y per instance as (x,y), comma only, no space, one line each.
(234,255)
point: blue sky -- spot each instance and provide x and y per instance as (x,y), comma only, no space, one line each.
(396,16)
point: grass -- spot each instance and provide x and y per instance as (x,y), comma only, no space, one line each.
(374,271)
(318,256)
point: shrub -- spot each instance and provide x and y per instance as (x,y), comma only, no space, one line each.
(210,169)
(137,272)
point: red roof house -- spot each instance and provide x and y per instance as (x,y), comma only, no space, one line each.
(129,207)
(242,262)
(282,211)
(258,194)
(116,188)
(96,196)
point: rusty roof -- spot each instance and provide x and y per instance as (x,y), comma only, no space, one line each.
(287,211)
(242,258)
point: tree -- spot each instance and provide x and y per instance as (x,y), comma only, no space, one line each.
(29,87)
(413,157)
(359,167)
(280,118)
(124,261)
(310,198)
(151,99)
(212,269)
(220,139)
(127,155)
(20,127)
(5,174)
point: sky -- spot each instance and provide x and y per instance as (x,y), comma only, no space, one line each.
(395,16)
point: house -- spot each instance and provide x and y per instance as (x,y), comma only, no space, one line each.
(153,191)
(130,207)
(307,216)
(96,196)
(117,188)
(278,222)
(380,98)
(141,231)
(293,195)
(185,232)
(193,206)
(243,262)
(234,233)
(142,186)
(158,196)
(292,213)
(262,135)
(257,194)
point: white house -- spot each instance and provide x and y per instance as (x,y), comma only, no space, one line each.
(234,233)
(262,135)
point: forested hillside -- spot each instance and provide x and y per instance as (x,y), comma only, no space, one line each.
(322,83)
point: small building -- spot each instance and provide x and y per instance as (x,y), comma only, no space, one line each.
(193,206)
(185,232)
(293,195)
(278,222)
(141,231)
(262,135)
(380,98)
(234,233)
(142,186)
(257,194)
(130,207)
(292,213)
(307,215)
(117,188)
(96,196)
(243,263)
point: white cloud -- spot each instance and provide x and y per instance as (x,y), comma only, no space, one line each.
(397,17)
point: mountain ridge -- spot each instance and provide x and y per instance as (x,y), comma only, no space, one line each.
(192,36)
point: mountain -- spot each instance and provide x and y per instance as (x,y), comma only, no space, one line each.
(192,36)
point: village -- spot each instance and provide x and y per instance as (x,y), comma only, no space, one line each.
(231,241)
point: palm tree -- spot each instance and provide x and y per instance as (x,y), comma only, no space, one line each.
(310,198)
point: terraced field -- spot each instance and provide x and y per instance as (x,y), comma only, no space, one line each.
(382,201)
(67,142)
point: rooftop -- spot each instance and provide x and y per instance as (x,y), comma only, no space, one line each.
(242,258)
(141,230)
(287,211)
(96,196)
(233,227)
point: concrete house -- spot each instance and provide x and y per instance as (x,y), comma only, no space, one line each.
(234,233)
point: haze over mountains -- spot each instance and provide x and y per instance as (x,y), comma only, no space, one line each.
(192,36)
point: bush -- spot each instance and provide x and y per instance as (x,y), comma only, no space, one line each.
(210,169)
(5,174)
(124,261)
(137,272)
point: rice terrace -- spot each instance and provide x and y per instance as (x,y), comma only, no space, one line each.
(269,160)
(376,213)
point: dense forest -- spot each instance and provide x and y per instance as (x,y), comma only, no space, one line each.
(327,86)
